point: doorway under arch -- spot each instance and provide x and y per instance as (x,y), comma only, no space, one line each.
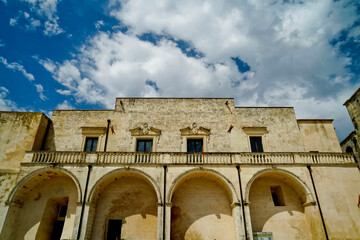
(123,206)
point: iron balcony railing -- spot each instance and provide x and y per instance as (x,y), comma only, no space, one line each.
(61,157)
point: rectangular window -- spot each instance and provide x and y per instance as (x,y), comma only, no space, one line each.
(256,144)
(114,229)
(277,196)
(91,144)
(144,145)
(195,145)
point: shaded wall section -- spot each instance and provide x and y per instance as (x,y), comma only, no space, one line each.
(20,132)
(286,220)
(132,200)
(319,135)
(201,210)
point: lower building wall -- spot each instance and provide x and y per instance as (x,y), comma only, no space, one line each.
(338,189)
(202,202)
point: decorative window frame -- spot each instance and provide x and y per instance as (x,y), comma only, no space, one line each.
(98,132)
(256,132)
(145,132)
(194,132)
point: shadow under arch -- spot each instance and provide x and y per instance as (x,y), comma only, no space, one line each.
(218,177)
(128,195)
(35,178)
(34,203)
(202,205)
(279,203)
(300,187)
(108,178)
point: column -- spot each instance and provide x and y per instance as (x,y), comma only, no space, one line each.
(238,221)
(167,221)
(159,231)
(248,221)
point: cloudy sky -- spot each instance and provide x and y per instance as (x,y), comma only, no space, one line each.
(64,54)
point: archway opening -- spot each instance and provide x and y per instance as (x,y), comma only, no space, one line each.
(35,205)
(349,149)
(276,206)
(124,206)
(201,208)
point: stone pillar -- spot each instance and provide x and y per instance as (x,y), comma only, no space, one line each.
(168,221)
(77,220)
(248,221)
(10,213)
(88,217)
(4,212)
(238,221)
(159,231)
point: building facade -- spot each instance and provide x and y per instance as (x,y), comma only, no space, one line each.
(184,168)
(351,143)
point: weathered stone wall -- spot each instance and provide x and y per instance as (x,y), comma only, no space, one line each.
(20,132)
(24,220)
(338,190)
(171,115)
(285,222)
(319,135)
(353,107)
(134,202)
(198,201)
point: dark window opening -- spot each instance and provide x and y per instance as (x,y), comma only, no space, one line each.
(59,223)
(349,150)
(195,145)
(256,144)
(277,196)
(144,145)
(114,229)
(91,144)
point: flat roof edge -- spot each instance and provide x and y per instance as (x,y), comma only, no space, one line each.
(74,110)
(314,120)
(174,98)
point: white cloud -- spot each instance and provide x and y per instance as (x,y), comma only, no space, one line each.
(40,90)
(52,28)
(2,44)
(17,67)
(286,45)
(6,104)
(42,13)
(13,21)
(63,92)
(4,1)
(65,105)
(99,23)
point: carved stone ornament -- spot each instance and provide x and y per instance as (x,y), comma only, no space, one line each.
(194,129)
(145,130)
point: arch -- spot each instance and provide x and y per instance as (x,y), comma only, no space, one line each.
(35,201)
(302,189)
(128,171)
(136,202)
(349,149)
(20,190)
(230,189)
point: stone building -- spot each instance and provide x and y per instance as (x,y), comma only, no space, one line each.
(351,143)
(184,168)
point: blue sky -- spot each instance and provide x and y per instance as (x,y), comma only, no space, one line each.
(62,54)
